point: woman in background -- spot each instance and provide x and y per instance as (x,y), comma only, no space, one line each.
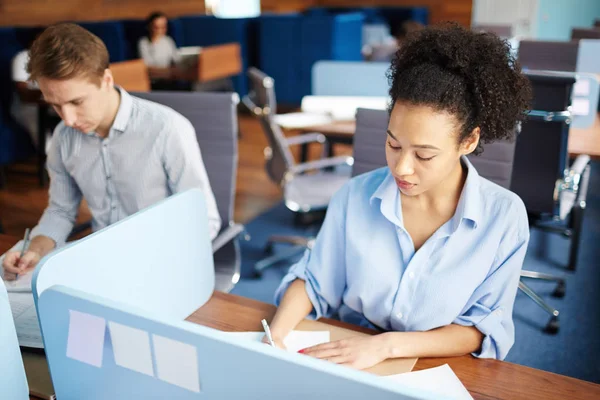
(157,49)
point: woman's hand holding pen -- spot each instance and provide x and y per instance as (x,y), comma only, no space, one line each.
(278,342)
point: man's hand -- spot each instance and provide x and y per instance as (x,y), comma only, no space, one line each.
(14,264)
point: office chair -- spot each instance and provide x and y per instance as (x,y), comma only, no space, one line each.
(551,56)
(303,192)
(496,163)
(214,118)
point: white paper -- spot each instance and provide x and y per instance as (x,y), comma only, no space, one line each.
(439,380)
(176,363)
(295,341)
(581,87)
(580,106)
(301,120)
(131,348)
(85,341)
(26,320)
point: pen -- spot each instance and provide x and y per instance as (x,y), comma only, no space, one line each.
(268,332)
(25,244)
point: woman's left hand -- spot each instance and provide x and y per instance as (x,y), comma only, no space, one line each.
(357,352)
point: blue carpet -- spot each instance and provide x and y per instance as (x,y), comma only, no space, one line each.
(574,351)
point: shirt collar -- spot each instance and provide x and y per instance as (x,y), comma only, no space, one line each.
(469,204)
(124,111)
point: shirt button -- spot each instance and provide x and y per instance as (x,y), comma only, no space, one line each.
(399,315)
(411,275)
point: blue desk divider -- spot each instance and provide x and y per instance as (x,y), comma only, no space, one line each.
(159,260)
(585,97)
(90,358)
(13,382)
(331,78)
(588,56)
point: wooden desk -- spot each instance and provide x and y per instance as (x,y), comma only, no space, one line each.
(485,379)
(214,62)
(581,141)
(131,75)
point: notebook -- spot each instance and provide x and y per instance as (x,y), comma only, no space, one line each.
(22,306)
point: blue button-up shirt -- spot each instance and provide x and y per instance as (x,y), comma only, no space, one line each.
(364,268)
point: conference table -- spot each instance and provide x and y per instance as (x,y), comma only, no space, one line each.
(484,378)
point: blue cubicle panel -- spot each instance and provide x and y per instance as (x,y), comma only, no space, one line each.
(13,382)
(158,259)
(330,78)
(98,349)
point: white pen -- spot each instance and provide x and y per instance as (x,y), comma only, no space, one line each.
(268,332)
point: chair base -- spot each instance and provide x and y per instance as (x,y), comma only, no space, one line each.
(553,325)
(299,244)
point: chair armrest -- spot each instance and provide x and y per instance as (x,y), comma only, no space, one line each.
(227,235)
(572,189)
(306,138)
(254,109)
(322,163)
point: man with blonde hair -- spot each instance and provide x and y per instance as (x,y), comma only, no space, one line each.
(119,152)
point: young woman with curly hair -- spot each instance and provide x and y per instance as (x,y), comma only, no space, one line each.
(424,250)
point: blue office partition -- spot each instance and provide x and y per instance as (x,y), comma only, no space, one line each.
(159,259)
(100,349)
(13,382)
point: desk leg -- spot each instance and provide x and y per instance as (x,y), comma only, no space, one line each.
(41,150)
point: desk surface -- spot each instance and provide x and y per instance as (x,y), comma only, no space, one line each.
(581,141)
(485,379)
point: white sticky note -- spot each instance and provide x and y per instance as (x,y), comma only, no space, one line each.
(176,363)
(85,341)
(131,348)
(581,87)
(439,380)
(580,106)
(295,340)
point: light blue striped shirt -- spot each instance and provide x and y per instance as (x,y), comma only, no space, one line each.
(150,153)
(364,269)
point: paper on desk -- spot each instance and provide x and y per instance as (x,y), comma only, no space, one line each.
(23,282)
(301,120)
(295,341)
(439,380)
(26,321)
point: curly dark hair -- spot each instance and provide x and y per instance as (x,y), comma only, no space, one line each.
(471,75)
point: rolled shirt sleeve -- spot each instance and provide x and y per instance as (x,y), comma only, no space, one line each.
(323,267)
(491,306)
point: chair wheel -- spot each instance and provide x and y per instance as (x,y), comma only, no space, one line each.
(560,290)
(553,326)
(256,274)
(269,248)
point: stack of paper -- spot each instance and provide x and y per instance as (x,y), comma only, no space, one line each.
(440,380)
